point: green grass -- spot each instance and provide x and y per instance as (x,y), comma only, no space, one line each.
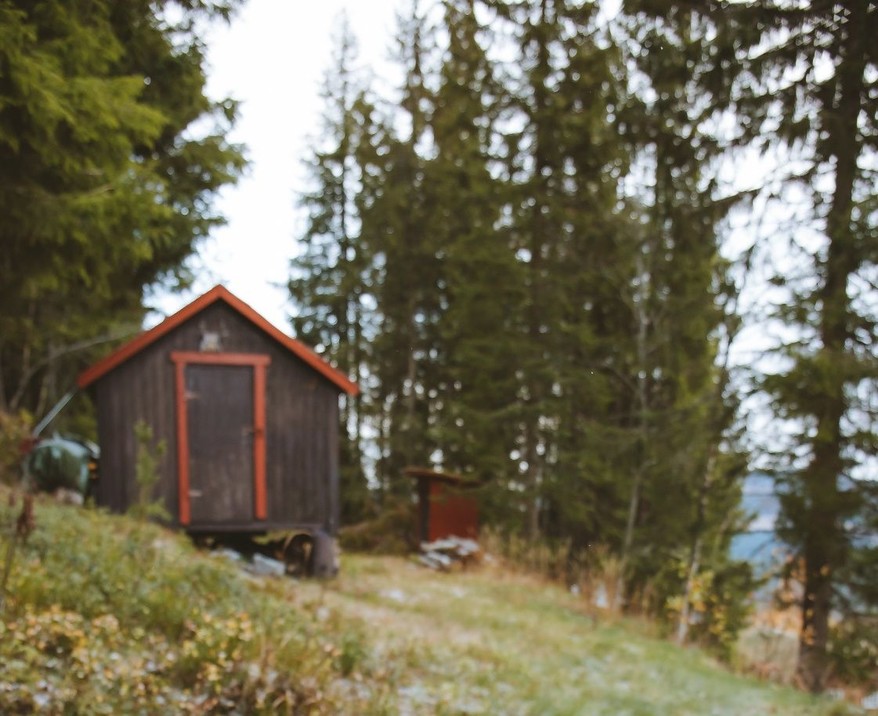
(490,642)
(109,615)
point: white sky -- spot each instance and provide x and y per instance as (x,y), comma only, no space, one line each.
(273,58)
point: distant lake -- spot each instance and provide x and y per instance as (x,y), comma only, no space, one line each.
(759,545)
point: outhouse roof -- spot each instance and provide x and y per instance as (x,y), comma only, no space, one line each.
(217,293)
(437,476)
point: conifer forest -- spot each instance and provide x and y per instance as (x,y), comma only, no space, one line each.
(604,259)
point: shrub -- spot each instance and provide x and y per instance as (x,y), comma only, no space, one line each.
(14,432)
(110,615)
(853,652)
(391,532)
(147,475)
(550,559)
(719,604)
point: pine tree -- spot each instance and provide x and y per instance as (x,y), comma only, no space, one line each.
(681,408)
(806,91)
(104,189)
(329,286)
(562,169)
(482,277)
(407,277)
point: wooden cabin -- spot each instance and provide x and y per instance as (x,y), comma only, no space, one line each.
(249,417)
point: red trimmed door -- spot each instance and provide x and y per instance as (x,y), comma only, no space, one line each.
(220,437)
(219,413)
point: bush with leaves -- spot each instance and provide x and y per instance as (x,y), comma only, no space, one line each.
(853,652)
(105,615)
(149,454)
(14,432)
(719,603)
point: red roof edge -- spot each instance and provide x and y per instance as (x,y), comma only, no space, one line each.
(217,293)
(450,478)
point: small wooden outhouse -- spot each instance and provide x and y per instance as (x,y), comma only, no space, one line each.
(446,505)
(248,415)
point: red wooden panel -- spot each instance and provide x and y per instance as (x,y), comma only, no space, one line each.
(451,513)
(220,358)
(182,444)
(261,506)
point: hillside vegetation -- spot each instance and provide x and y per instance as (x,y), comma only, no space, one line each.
(106,615)
(540,242)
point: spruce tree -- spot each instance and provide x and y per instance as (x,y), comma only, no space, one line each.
(682,410)
(482,277)
(105,189)
(563,164)
(408,274)
(329,278)
(806,91)
(800,79)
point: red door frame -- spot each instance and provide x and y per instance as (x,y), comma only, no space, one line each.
(259,363)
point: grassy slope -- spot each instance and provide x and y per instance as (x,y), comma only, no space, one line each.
(107,615)
(490,642)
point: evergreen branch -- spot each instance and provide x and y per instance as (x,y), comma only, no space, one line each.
(62,352)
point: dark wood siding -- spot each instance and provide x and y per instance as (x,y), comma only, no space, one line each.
(139,390)
(301,423)
(301,439)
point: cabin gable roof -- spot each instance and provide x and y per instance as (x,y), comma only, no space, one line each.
(217,293)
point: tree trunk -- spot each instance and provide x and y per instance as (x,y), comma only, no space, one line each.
(4,404)
(409,392)
(640,307)
(694,563)
(823,548)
